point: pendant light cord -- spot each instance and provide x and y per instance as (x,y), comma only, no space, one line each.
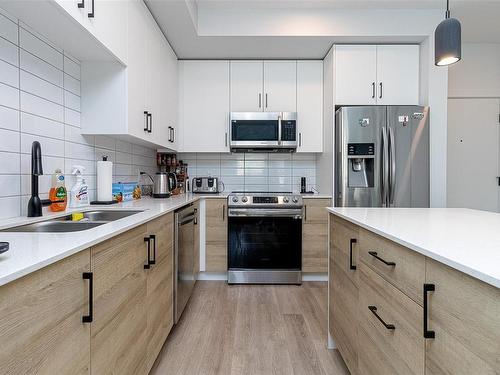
(447,14)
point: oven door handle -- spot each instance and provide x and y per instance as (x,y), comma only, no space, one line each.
(265,212)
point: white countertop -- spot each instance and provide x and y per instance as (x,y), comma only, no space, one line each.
(31,251)
(464,239)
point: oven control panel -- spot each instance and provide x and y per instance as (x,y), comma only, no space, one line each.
(263,200)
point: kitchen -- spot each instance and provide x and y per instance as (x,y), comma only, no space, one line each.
(262,132)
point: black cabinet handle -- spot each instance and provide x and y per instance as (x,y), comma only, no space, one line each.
(375,255)
(380,96)
(81,4)
(153,239)
(90,277)
(147,266)
(150,123)
(195,216)
(91,14)
(373,309)
(373,90)
(427,333)
(351,242)
(146,121)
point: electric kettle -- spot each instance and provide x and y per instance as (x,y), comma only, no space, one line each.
(164,183)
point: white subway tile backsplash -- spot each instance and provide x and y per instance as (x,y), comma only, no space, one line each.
(9,140)
(79,151)
(10,163)
(72,84)
(40,68)
(39,125)
(105,142)
(39,87)
(73,134)
(9,52)
(9,118)
(41,107)
(123,146)
(9,74)
(10,185)
(10,207)
(9,96)
(49,146)
(72,117)
(102,152)
(49,163)
(71,101)
(8,29)
(71,67)
(39,48)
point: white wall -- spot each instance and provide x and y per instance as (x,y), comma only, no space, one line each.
(254,172)
(40,100)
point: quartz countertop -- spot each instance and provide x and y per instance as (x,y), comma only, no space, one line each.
(464,239)
(32,251)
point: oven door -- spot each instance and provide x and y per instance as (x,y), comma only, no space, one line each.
(254,129)
(259,240)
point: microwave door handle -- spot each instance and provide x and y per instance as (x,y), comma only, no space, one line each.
(279,129)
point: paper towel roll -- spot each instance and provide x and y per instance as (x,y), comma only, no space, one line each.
(104,181)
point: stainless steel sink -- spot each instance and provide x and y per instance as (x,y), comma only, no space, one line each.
(64,224)
(55,226)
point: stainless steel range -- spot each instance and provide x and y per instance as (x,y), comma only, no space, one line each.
(265,238)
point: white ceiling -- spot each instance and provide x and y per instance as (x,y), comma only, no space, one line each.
(307,28)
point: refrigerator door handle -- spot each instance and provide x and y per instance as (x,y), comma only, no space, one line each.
(392,171)
(384,167)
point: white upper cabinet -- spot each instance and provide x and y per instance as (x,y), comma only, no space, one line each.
(355,75)
(397,74)
(310,106)
(247,86)
(280,86)
(106,20)
(204,105)
(383,75)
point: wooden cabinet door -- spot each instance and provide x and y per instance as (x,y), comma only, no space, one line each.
(118,339)
(343,285)
(160,286)
(280,86)
(196,269)
(464,313)
(247,79)
(355,75)
(204,105)
(310,106)
(398,74)
(216,235)
(41,329)
(315,235)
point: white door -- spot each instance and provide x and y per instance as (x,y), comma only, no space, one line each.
(171,96)
(204,105)
(310,105)
(137,68)
(355,75)
(247,79)
(280,86)
(473,154)
(397,74)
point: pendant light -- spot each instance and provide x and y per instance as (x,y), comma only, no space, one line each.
(448,40)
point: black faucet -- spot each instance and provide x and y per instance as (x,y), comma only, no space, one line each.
(35,203)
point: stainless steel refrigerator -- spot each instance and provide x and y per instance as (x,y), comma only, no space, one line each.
(382,156)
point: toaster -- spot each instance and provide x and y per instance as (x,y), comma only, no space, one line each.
(207,185)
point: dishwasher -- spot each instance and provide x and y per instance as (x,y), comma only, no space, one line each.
(184,271)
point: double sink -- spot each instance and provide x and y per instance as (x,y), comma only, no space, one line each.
(62,224)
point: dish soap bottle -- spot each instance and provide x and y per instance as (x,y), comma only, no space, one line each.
(79,194)
(58,194)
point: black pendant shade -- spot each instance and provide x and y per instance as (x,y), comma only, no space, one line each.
(448,41)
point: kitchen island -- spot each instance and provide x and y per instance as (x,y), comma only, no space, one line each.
(415,290)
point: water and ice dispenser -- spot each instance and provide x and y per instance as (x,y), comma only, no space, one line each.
(361,165)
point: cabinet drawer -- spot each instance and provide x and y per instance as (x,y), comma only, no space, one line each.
(344,240)
(388,350)
(403,268)
(342,232)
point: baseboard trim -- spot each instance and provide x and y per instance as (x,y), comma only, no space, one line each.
(222,276)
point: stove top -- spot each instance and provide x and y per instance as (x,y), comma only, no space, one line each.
(262,199)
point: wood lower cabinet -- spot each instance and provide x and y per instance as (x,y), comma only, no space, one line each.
(41,329)
(119,330)
(315,235)
(160,286)
(343,285)
(216,235)
(464,313)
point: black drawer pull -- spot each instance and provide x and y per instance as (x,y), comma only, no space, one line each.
(351,242)
(92,14)
(90,277)
(153,238)
(147,266)
(375,255)
(427,333)
(146,121)
(81,4)
(373,309)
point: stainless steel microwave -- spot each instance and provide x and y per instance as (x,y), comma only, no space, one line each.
(263,131)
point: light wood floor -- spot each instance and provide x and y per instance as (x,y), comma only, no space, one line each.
(254,330)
